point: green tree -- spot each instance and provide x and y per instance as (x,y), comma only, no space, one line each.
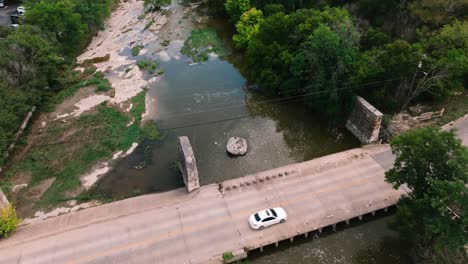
(325,65)
(217,8)
(271,9)
(433,165)
(308,51)
(447,63)
(247,27)
(93,13)
(235,8)
(439,12)
(28,61)
(59,19)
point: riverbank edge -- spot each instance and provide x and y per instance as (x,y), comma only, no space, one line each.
(122,103)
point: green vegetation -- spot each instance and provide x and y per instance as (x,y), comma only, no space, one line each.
(36,59)
(149,24)
(235,8)
(227,256)
(68,150)
(433,165)
(8,221)
(148,65)
(136,50)
(101,82)
(317,48)
(82,80)
(203,42)
(247,27)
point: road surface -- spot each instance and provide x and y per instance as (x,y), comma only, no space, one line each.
(176,227)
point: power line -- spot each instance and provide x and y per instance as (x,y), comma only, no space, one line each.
(236,106)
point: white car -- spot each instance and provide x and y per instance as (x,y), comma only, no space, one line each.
(14,25)
(267,218)
(21,9)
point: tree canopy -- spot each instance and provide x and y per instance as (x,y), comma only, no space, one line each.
(433,164)
(247,27)
(36,58)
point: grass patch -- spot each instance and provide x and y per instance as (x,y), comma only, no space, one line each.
(203,42)
(149,24)
(136,50)
(86,79)
(148,65)
(68,150)
(455,106)
(227,256)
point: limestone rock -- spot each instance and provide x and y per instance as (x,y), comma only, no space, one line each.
(236,146)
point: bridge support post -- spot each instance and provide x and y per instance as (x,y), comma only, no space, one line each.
(334,227)
(291,239)
(347,222)
(364,121)
(373,213)
(306,234)
(261,249)
(385,209)
(188,165)
(276,243)
(320,230)
(360,217)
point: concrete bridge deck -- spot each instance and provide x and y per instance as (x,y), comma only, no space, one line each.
(176,227)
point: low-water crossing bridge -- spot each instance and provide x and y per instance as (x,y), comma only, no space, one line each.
(198,227)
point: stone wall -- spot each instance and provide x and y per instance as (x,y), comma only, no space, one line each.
(188,165)
(3,200)
(364,121)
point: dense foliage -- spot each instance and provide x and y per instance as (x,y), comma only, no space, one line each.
(433,165)
(36,58)
(394,52)
(8,221)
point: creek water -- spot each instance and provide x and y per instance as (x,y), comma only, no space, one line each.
(208,102)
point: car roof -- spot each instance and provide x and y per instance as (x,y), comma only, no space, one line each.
(265,213)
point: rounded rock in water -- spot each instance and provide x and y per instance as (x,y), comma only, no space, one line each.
(236,146)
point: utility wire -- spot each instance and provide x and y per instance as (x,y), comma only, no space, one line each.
(180,114)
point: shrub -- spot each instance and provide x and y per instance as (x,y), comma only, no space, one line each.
(227,256)
(136,50)
(8,221)
(147,65)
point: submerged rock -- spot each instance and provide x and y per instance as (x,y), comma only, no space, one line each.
(236,146)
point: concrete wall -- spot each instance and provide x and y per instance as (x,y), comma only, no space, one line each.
(188,165)
(3,200)
(364,121)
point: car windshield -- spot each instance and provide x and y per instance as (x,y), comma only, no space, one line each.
(273,212)
(257,217)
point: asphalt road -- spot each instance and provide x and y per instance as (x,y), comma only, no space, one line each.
(6,12)
(177,228)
